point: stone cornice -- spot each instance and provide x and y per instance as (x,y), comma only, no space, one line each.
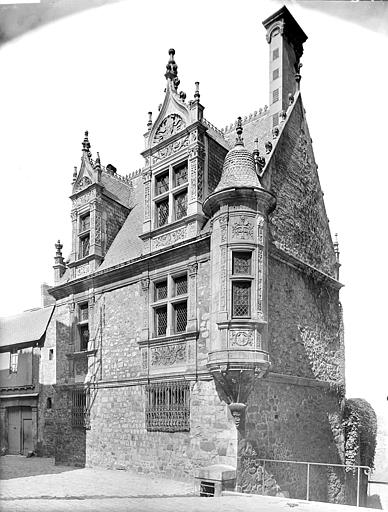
(130,268)
(306,268)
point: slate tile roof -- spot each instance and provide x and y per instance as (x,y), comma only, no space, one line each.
(25,328)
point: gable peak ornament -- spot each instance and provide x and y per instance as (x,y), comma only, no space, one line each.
(172,69)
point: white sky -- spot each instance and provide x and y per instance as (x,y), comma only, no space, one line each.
(103,70)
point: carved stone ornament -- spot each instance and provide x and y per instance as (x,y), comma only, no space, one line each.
(193,268)
(147,201)
(169,238)
(238,411)
(193,179)
(144,358)
(85,198)
(82,270)
(145,284)
(171,149)
(260,230)
(168,355)
(241,338)
(243,229)
(83,183)
(170,125)
(223,220)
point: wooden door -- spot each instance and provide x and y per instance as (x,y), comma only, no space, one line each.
(14,430)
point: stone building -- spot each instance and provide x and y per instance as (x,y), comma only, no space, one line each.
(27,375)
(197,319)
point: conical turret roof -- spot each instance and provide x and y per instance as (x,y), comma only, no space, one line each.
(239,167)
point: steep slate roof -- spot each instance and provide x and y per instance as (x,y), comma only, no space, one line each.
(26,328)
(116,188)
(127,245)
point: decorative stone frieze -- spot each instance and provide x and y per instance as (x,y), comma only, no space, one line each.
(82,270)
(169,238)
(170,150)
(260,282)
(223,220)
(241,338)
(168,355)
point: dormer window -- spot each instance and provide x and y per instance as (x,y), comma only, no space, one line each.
(171,194)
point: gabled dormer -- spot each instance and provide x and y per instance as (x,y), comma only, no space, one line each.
(100,204)
(176,167)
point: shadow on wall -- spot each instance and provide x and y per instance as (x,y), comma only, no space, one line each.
(18,466)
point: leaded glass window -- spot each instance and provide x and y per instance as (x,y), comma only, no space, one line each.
(168,406)
(85,223)
(162,212)
(84,246)
(161,320)
(180,285)
(180,175)
(162,185)
(242,262)
(161,290)
(83,312)
(181,205)
(180,314)
(241,298)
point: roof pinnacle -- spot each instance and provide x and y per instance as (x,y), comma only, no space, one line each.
(239,130)
(86,143)
(172,69)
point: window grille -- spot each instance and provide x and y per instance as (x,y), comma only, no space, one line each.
(162,183)
(79,408)
(161,320)
(13,362)
(241,298)
(84,337)
(168,406)
(161,290)
(275,54)
(85,246)
(180,313)
(162,212)
(180,285)
(275,74)
(180,175)
(181,205)
(85,223)
(242,262)
(275,95)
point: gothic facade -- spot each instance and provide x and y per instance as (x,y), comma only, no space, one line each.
(197,319)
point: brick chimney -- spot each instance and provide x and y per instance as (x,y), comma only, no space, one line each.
(285,39)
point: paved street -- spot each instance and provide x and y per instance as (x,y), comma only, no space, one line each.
(36,484)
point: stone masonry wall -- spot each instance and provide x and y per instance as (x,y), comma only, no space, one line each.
(305,326)
(299,223)
(293,422)
(118,437)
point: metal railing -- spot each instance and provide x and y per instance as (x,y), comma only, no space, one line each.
(346,467)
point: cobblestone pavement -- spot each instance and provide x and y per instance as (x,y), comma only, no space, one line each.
(52,488)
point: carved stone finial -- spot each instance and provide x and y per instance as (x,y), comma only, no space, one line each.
(256,156)
(182,95)
(282,115)
(75,173)
(268,147)
(172,69)
(86,143)
(336,247)
(58,247)
(196,94)
(239,130)
(97,163)
(275,132)
(290,99)
(149,122)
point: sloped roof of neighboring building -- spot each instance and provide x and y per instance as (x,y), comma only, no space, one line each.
(26,328)
(127,245)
